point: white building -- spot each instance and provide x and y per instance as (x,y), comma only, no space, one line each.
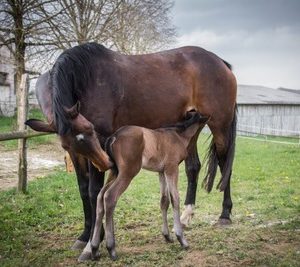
(268,111)
(7,86)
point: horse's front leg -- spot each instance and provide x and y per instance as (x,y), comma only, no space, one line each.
(192,168)
(95,185)
(82,173)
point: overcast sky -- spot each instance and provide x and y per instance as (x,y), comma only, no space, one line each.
(260,38)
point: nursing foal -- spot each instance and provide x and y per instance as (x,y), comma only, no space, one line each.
(132,148)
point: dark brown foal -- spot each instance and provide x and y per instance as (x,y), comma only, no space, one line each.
(161,150)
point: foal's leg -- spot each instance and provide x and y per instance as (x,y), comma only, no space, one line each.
(164,205)
(192,168)
(171,175)
(96,183)
(98,229)
(110,200)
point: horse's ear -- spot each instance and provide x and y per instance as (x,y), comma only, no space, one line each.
(41,126)
(73,112)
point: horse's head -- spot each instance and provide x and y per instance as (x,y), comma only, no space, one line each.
(81,139)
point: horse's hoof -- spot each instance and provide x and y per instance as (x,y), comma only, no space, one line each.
(112,254)
(79,245)
(168,238)
(223,222)
(85,256)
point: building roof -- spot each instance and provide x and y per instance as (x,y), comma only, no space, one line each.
(253,94)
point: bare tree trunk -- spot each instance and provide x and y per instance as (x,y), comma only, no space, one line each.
(19,35)
(22,94)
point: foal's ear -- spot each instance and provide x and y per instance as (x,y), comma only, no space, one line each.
(203,119)
(40,126)
(73,112)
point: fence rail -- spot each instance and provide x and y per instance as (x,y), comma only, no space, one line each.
(253,132)
(19,135)
(267,131)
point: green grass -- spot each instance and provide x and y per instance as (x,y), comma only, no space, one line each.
(37,229)
(9,124)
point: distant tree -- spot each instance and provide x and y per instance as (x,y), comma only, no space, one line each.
(36,31)
(143,26)
(19,24)
(129,26)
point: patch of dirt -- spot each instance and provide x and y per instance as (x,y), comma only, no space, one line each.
(41,161)
(194,258)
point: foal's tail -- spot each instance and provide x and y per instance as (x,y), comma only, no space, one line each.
(108,149)
(213,160)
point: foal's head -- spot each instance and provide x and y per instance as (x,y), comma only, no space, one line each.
(80,139)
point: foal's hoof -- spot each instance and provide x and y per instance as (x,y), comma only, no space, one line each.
(168,238)
(79,245)
(223,222)
(112,254)
(85,256)
(184,244)
(95,255)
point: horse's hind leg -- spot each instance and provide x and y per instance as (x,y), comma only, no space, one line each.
(164,205)
(171,175)
(222,148)
(192,168)
(227,202)
(224,142)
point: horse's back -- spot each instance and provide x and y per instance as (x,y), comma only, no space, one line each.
(167,84)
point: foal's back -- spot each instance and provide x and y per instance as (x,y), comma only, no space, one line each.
(141,147)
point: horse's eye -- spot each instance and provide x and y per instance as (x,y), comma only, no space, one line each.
(79,137)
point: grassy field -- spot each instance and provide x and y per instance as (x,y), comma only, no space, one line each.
(38,229)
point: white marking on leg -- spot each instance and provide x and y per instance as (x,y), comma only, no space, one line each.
(86,254)
(187,215)
(88,248)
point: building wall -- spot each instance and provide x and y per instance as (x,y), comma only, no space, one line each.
(7,88)
(273,119)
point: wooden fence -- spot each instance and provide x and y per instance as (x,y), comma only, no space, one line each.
(22,133)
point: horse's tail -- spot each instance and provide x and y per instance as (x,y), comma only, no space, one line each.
(213,161)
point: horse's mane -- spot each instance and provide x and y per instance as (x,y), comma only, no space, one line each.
(189,119)
(70,76)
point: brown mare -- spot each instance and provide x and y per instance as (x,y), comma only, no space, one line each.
(160,150)
(145,90)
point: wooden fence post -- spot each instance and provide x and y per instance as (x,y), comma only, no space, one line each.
(22,108)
